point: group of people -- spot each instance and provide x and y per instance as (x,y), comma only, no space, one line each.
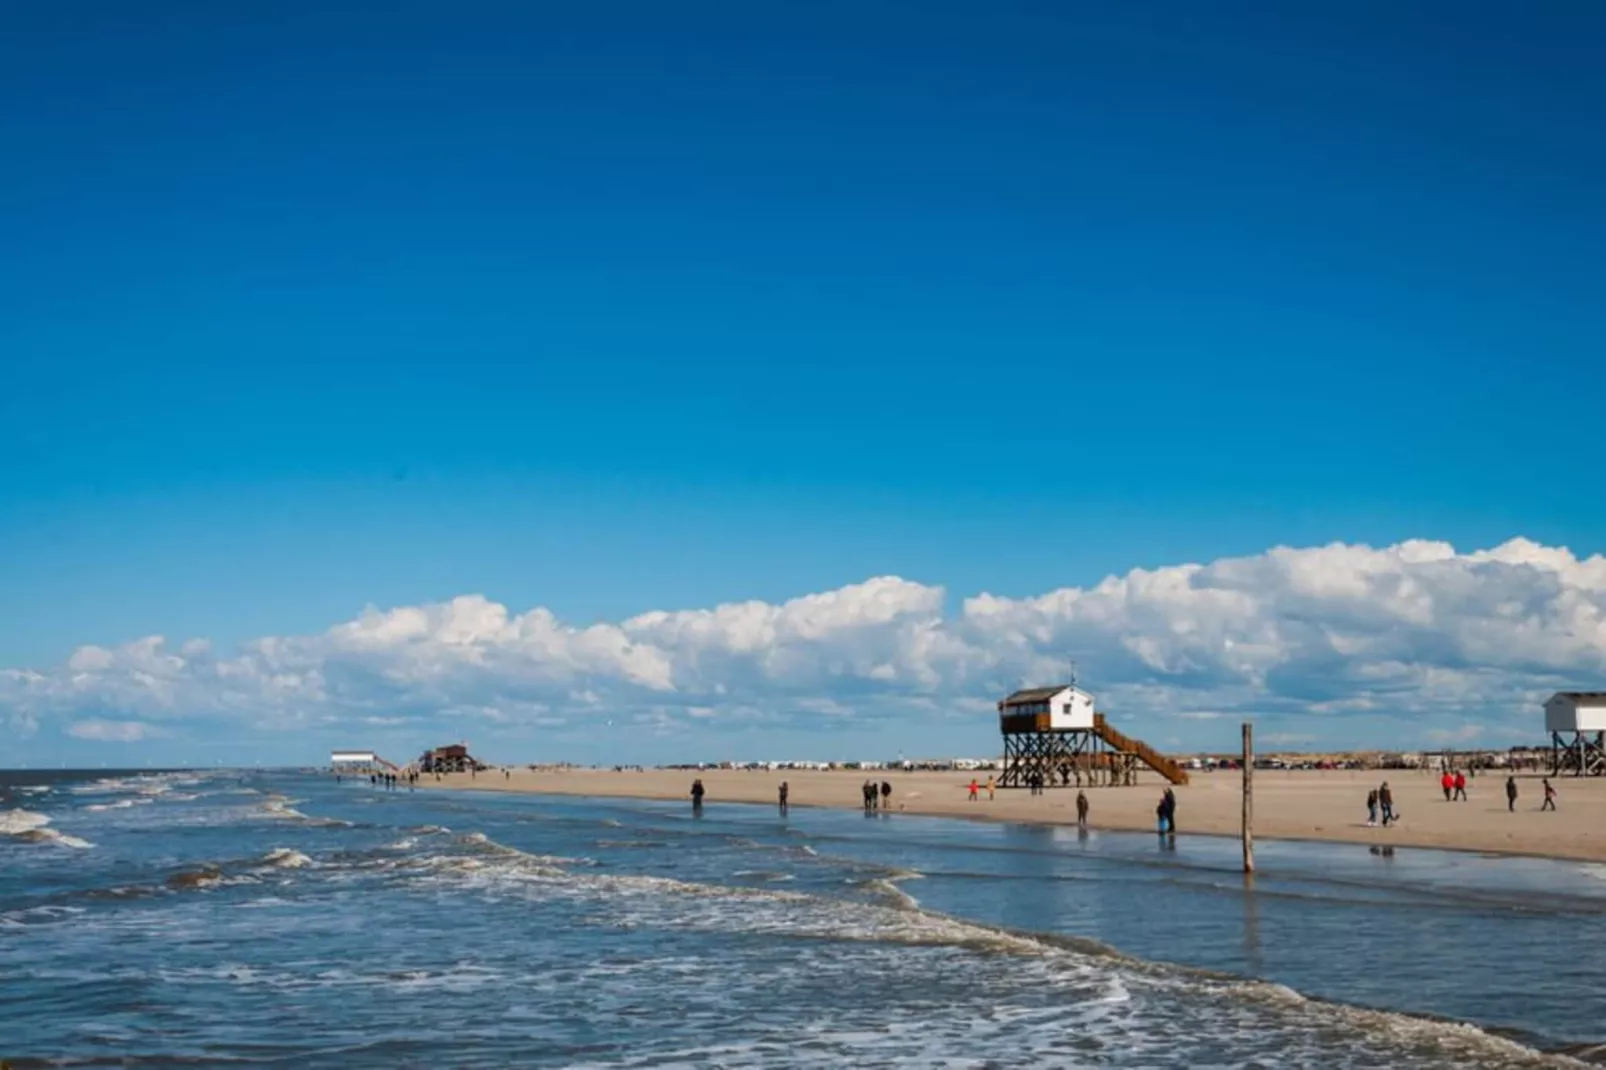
(1378,800)
(1166,813)
(975,786)
(1511,794)
(877,797)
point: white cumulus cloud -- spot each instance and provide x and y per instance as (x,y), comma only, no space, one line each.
(1417,633)
(111,731)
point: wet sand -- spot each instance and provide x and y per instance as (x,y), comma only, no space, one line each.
(1309,805)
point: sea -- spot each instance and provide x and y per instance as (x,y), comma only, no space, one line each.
(227,918)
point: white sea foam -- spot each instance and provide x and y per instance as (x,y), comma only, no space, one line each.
(29,827)
(1031,992)
(16,822)
(120,804)
(286,858)
(64,840)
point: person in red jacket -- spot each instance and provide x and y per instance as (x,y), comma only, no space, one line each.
(1447,782)
(1460,785)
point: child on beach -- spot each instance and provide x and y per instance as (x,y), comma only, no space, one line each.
(991,787)
(1447,782)
(974,787)
(1461,786)
(1550,796)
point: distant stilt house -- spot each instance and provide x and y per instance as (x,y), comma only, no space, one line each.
(354,762)
(1576,721)
(452,758)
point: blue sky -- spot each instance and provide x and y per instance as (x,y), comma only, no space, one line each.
(619,308)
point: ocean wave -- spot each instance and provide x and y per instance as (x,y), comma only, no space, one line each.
(50,835)
(29,827)
(285,858)
(120,804)
(16,822)
(633,901)
(194,878)
(632,843)
(888,889)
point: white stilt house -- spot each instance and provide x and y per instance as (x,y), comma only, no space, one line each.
(1576,721)
(356,761)
(1054,733)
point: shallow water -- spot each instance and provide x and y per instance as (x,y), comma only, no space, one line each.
(286,919)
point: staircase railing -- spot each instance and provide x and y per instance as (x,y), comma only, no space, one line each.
(1145,753)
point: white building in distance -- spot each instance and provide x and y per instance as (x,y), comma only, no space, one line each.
(1576,711)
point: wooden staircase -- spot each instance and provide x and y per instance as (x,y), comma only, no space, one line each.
(1140,750)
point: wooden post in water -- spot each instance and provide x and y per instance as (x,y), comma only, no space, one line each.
(1249,797)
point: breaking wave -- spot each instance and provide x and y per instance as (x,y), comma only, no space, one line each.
(29,827)
(286,858)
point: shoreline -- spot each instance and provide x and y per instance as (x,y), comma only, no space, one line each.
(1305,806)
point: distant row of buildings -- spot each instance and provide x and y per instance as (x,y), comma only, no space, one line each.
(907,765)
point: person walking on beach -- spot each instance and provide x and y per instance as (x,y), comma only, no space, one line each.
(973,787)
(1081,810)
(1371,808)
(1460,785)
(886,795)
(1511,794)
(697,793)
(784,791)
(867,793)
(1385,800)
(1550,796)
(1447,782)
(991,787)
(1171,810)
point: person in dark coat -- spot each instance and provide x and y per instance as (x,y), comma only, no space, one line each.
(784,792)
(1511,794)
(697,793)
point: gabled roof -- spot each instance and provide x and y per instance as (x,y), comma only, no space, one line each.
(1034,694)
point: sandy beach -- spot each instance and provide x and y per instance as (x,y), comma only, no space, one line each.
(1306,805)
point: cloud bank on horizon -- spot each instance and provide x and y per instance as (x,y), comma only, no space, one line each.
(1434,644)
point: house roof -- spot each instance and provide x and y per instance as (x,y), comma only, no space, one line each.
(1034,694)
(1591,696)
